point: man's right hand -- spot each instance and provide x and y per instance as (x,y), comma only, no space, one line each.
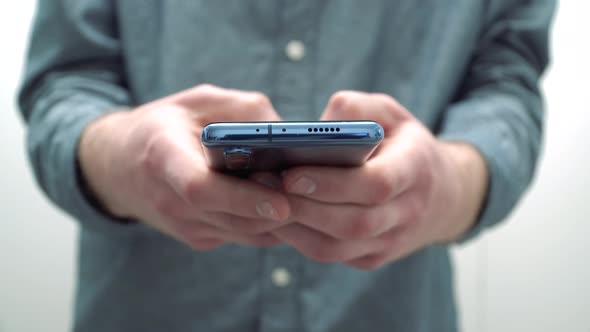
(148,164)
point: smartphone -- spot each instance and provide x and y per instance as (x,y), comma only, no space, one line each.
(262,146)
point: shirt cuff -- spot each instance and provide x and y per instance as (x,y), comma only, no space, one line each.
(480,124)
(62,179)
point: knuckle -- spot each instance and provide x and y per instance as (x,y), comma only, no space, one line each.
(257,102)
(152,159)
(195,97)
(165,207)
(383,188)
(196,244)
(413,210)
(205,89)
(204,244)
(343,102)
(199,93)
(387,100)
(259,227)
(264,240)
(383,96)
(199,236)
(424,172)
(338,99)
(323,253)
(232,223)
(239,202)
(243,226)
(390,104)
(364,226)
(367,225)
(368,263)
(192,190)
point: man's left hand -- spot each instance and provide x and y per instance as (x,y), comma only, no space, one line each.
(414,191)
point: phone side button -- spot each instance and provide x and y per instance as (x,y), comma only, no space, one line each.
(237,158)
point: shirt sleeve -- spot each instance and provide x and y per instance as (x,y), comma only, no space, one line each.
(73,75)
(500,109)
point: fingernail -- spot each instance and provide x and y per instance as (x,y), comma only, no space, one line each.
(303,186)
(266,210)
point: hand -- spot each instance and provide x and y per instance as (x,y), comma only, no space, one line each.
(414,191)
(148,164)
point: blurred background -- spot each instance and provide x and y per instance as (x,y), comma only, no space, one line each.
(530,274)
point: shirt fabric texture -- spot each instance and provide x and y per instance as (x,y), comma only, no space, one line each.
(468,69)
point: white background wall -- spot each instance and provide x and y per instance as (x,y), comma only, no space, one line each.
(530,274)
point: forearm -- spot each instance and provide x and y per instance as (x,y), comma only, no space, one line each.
(506,133)
(499,110)
(73,77)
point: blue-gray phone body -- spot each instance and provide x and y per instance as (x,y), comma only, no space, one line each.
(261,146)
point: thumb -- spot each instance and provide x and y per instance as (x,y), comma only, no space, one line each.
(215,104)
(355,105)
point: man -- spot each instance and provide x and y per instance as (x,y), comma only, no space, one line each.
(115,96)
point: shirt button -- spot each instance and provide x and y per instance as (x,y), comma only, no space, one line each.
(281,277)
(295,50)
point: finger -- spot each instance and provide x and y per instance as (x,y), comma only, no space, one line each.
(219,104)
(203,236)
(198,234)
(206,244)
(355,105)
(368,262)
(378,181)
(188,232)
(236,224)
(398,244)
(172,207)
(207,190)
(175,209)
(344,221)
(268,179)
(260,240)
(182,168)
(323,248)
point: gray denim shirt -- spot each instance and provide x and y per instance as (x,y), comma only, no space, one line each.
(468,69)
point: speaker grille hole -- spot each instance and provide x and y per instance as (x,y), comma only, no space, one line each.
(257,130)
(337,129)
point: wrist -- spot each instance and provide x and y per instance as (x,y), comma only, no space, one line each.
(96,157)
(472,175)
